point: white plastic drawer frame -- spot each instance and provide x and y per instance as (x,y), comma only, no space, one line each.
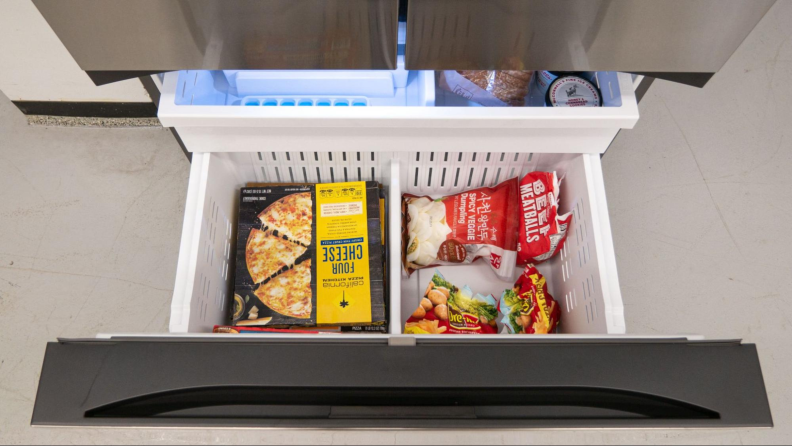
(582,277)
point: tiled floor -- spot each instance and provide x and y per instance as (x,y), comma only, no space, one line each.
(700,195)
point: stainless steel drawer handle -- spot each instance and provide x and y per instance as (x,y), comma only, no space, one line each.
(529,403)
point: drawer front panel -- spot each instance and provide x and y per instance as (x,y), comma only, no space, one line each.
(226,383)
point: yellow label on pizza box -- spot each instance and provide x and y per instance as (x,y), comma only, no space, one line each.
(343,291)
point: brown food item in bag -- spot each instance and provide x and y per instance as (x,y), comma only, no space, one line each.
(510,86)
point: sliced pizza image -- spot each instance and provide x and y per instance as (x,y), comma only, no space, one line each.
(291,216)
(266,254)
(289,293)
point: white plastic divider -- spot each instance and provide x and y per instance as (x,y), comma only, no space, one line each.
(190,243)
(394,244)
(448,173)
(581,277)
(204,272)
(600,220)
(320,167)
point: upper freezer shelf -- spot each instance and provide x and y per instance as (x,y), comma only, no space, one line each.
(396,110)
(327,88)
(395,88)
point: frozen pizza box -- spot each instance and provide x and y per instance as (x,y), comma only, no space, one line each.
(309,255)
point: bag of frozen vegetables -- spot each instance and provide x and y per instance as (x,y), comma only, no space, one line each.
(446,309)
(528,308)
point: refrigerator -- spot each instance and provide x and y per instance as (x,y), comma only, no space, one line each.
(314,91)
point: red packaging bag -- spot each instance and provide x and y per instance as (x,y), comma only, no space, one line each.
(543,231)
(528,308)
(458,229)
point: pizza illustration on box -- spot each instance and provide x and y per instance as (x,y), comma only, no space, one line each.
(276,261)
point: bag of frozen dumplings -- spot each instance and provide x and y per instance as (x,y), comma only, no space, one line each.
(458,229)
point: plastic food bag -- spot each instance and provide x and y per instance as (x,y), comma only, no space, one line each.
(528,308)
(543,231)
(461,228)
(488,88)
(445,309)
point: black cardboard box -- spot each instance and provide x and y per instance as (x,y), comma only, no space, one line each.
(310,255)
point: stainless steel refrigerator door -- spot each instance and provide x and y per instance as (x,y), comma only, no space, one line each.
(165,35)
(234,381)
(665,36)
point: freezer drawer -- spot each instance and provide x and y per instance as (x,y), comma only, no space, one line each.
(232,111)
(582,278)
(589,375)
(233,383)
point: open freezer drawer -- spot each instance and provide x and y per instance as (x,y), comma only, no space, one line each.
(590,375)
(582,277)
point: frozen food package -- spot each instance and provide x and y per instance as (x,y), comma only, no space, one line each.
(446,309)
(489,88)
(528,308)
(227,329)
(458,229)
(573,91)
(543,231)
(542,80)
(309,255)
(238,329)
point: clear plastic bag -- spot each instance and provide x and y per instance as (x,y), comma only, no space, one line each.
(506,88)
(528,308)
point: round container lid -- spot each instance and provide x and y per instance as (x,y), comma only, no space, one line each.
(566,73)
(573,91)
